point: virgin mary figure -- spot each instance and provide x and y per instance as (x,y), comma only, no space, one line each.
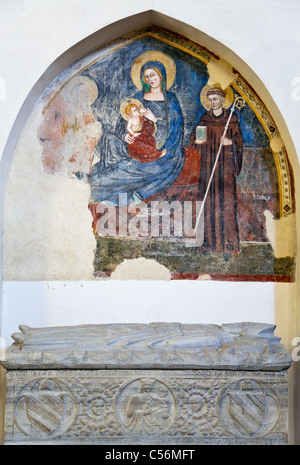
(116,172)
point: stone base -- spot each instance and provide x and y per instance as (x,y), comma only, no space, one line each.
(115,407)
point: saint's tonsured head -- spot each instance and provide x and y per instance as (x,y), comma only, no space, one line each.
(216,97)
(215,92)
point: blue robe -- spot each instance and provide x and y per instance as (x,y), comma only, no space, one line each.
(116,173)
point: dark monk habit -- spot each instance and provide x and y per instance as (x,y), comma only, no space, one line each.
(221,232)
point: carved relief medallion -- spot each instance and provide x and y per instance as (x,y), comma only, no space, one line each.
(248,408)
(45,407)
(146,406)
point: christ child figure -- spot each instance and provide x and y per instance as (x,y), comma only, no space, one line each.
(141,128)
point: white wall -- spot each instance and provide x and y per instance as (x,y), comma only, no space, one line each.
(63,303)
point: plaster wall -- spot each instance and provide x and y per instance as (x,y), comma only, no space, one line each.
(264,35)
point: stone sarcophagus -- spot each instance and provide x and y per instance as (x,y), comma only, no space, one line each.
(157,383)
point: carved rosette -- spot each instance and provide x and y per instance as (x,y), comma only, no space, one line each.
(197,414)
(96,415)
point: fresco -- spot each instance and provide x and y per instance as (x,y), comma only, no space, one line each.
(178,152)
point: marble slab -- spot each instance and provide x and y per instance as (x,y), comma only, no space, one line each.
(117,407)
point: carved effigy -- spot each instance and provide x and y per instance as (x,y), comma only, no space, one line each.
(200,384)
(251,346)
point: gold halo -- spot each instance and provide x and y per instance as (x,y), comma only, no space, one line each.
(88,82)
(153,55)
(128,102)
(227,101)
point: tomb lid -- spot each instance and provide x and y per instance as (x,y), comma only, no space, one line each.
(233,346)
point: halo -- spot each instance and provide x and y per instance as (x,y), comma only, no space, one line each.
(128,102)
(228,96)
(153,55)
(86,81)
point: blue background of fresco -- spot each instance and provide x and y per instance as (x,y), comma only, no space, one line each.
(113,77)
(258,181)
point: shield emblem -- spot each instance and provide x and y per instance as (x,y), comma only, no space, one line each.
(46,408)
(247,408)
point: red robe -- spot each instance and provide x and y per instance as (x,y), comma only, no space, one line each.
(221,233)
(144,146)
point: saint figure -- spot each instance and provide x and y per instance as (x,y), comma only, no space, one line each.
(221,233)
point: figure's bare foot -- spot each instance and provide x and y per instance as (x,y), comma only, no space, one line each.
(163,153)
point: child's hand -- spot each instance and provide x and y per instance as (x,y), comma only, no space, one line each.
(129,139)
(149,115)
